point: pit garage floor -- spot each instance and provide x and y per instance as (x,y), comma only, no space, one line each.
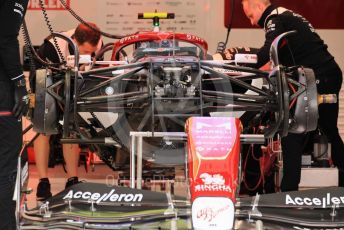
(101,174)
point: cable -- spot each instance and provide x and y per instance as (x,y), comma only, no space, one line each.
(260,180)
(28,46)
(250,151)
(221,46)
(32,52)
(46,18)
(77,17)
(294,100)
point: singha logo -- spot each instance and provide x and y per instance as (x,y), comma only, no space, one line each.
(212,183)
(215,179)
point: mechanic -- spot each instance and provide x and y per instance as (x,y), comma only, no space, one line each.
(304,48)
(13,104)
(89,42)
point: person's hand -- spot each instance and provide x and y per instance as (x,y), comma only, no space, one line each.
(21,99)
(230,53)
(227,54)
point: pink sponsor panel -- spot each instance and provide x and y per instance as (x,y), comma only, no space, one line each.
(213,156)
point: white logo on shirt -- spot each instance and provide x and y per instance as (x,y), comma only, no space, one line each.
(19,9)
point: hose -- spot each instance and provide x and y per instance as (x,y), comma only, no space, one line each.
(46,18)
(77,17)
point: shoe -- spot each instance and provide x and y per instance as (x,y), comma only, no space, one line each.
(72,181)
(43,189)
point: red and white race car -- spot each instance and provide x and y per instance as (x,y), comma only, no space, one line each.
(154,82)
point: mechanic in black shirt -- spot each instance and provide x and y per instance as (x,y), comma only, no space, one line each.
(13,103)
(89,42)
(308,50)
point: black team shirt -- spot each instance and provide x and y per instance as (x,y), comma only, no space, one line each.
(307,48)
(12,13)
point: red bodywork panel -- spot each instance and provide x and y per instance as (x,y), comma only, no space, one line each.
(213,156)
(157,36)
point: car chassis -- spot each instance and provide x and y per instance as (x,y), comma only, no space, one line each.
(161,86)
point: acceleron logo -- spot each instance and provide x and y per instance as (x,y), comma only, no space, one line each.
(48,4)
(323,202)
(103,197)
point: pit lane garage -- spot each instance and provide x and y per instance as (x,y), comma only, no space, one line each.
(172,134)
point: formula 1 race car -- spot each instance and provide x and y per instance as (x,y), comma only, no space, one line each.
(154,82)
(166,79)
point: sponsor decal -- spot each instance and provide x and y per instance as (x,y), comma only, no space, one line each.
(228,71)
(324,202)
(110,197)
(270,27)
(205,128)
(19,9)
(305,21)
(212,213)
(213,139)
(209,214)
(214,182)
(129,38)
(212,179)
(249,57)
(212,187)
(194,38)
(48,4)
(246,58)
(201,125)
